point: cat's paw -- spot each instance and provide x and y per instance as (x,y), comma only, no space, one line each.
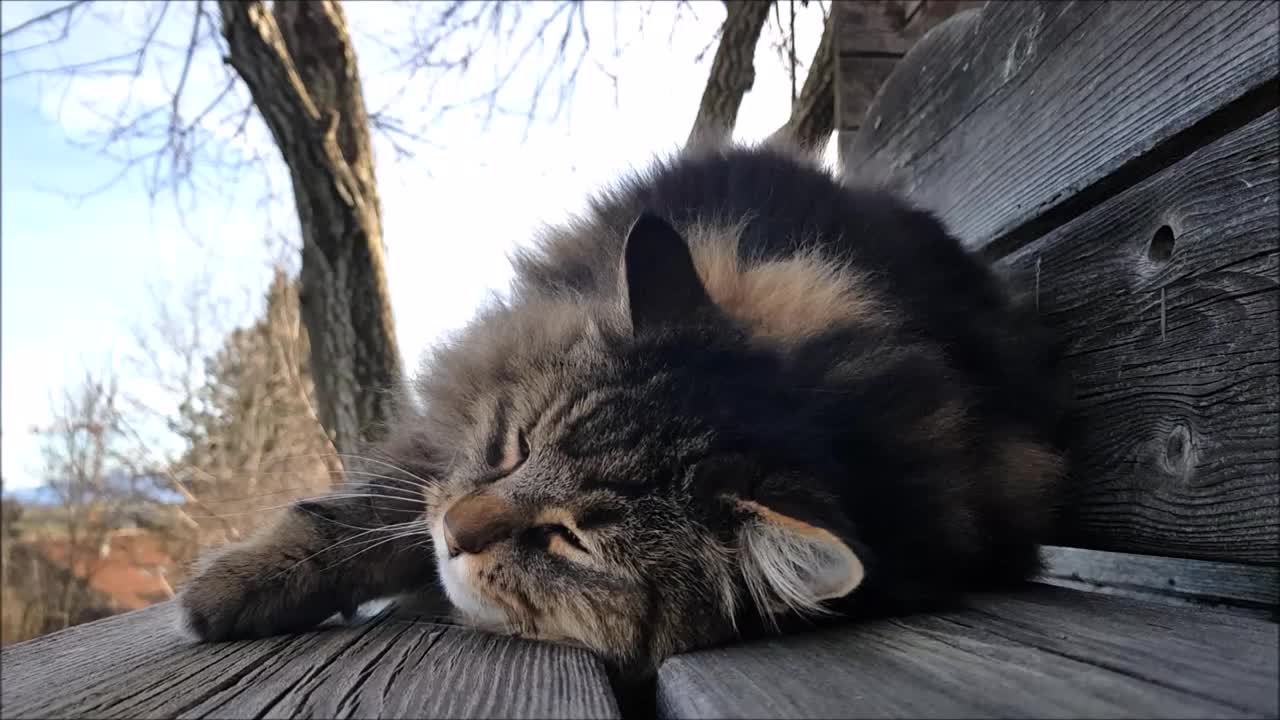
(254,591)
(222,600)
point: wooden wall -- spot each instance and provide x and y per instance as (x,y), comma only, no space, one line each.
(1120,162)
(871,37)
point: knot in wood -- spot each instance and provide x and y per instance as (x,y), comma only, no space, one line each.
(1178,456)
(1161,248)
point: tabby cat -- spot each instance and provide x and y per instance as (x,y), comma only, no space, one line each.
(734,394)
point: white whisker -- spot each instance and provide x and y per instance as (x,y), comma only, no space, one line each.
(384,541)
(345,541)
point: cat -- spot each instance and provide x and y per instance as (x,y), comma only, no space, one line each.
(735,394)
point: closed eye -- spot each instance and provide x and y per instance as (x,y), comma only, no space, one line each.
(522,446)
(506,456)
(544,536)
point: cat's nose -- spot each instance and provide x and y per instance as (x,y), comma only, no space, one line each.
(479,520)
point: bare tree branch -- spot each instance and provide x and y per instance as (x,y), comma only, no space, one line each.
(88,68)
(91,476)
(175,116)
(732,72)
(61,10)
(813,115)
(169,149)
(491,28)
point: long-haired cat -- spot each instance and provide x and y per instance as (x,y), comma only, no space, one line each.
(735,392)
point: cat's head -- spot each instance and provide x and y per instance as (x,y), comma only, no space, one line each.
(635,476)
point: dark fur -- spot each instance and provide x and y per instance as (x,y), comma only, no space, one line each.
(925,435)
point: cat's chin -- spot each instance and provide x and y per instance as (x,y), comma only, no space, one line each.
(474,609)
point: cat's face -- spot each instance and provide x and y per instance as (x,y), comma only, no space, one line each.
(625,489)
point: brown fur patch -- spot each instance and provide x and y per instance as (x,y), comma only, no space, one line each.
(781,300)
(788,522)
(1028,475)
(946,427)
(556,516)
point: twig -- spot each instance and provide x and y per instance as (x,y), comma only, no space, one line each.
(42,18)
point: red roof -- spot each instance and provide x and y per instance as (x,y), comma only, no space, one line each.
(132,574)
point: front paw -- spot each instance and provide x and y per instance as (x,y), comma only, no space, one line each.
(244,593)
(217,602)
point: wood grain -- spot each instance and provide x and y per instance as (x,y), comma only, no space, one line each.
(1195,582)
(1046,652)
(871,37)
(1002,115)
(880,27)
(1173,350)
(858,80)
(961,62)
(137,665)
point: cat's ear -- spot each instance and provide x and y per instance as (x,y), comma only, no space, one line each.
(794,563)
(663,287)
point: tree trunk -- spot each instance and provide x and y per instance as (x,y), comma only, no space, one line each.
(732,72)
(813,117)
(300,68)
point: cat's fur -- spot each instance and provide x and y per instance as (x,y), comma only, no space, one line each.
(735,392)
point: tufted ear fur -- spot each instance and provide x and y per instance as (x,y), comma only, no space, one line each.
(663,287)
(791,564)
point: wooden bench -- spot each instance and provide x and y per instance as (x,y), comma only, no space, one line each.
(1120,162)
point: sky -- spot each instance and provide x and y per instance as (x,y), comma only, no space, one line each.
(78,275)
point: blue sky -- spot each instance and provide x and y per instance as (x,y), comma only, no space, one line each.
(76,278)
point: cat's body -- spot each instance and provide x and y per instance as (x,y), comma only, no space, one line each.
(735,392)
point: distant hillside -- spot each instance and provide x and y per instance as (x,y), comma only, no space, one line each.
(39,495)
(44,495)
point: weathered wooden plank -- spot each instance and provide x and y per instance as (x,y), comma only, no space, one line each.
(138,665)
(1002,115)
(1184,650)
(858,80)
(880,27)
(867,27)
(922,16)
(871,36)
(965,60)
(949,38)
(1197,582)
(1168,296)
(1043,653)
